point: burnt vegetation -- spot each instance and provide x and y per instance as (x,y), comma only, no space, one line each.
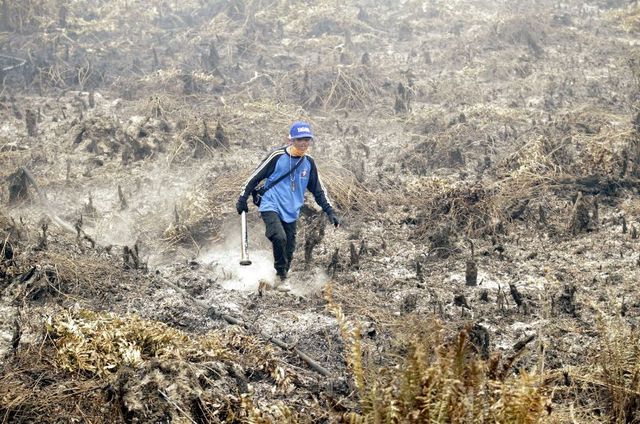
(484,157)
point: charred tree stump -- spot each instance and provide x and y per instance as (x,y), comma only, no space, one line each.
(364,250)
(579,216)
(461,300)
(365,60)
(78,226)
(565,302)
(204,143)
(18,182)
(419,273)
(156,62)
(471,273)
(81,235)
(220,138)
(213,58)
(634,146)
(335,262)
(484,295)
(4,16)
(501,299)
(15,109)
(625,163)
(542,216)
(31,121)
(62,16)
(89,209)
(361,172)
(42,241)
(131,258)
(409,303)
(6,250)
(188,84)
(521,344)
(399,106)
(354,258)
(515,294)
(123,200)
(176,216)
(480,340)
(313,238)
(17,335)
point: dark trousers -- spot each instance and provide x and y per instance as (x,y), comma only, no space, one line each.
(283,238)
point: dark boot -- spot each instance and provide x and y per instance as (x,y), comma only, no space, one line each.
(282,274)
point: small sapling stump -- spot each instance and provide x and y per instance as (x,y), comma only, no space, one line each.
(580,218)
(419,273)
(480,340)
(123,199)
(471,273)
(18,186)
(314,236)
(521,344)
(354,257)
(363,248)
(220,138)
(409,303)
(31,120)
(566,300)
(484,295)
(335,262)
(461,300)
(6,250)
(516,295)
(42,241)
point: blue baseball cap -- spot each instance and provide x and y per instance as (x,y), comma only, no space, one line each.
(300,129)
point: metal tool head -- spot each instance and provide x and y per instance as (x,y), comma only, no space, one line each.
(244,260)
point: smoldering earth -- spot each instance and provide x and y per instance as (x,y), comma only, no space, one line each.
(483,156)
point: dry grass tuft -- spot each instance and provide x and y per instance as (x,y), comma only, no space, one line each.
(97,365)
(613,380)
(348,194)
(630,19)
(99,344)
(439,381)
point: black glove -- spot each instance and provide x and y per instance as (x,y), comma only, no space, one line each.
(334,220)
(241,205)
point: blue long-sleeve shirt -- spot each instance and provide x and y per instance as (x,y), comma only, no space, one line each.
(287,197)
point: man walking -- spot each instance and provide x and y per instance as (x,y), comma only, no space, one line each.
(288,172)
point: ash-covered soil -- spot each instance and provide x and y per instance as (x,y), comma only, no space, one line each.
(483,156)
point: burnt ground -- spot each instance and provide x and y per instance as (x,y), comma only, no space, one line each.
(452,136)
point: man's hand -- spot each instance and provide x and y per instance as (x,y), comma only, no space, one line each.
(334,220)
(241,205)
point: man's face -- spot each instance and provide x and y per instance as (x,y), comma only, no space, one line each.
(301,144)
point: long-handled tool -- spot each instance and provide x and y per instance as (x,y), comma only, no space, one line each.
(244,260)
